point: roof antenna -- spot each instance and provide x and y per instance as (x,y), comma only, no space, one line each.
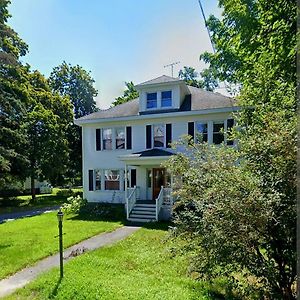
(172,66)
(205,22)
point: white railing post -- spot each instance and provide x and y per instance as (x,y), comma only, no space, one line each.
(131,200)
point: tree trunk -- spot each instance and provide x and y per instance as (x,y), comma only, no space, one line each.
(32,177)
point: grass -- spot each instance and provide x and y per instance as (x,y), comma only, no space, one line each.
(23,203)
(139,267)
(25,241)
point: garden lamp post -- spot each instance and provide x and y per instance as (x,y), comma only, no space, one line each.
(60,216)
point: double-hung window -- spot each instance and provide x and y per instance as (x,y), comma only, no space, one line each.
(112,180)
(201,132)
(151,100)
(107,139)
(166,99)
(158,135)
(97,180)
(218,132)
(230,124)
(120,138)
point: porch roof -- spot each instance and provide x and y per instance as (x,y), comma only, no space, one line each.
(152,156)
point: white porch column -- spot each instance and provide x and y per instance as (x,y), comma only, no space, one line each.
(126,182)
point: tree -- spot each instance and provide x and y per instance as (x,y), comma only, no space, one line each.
(13,98)
(48,118)
(206,81)
(129,94)
(78,85)
(256,48)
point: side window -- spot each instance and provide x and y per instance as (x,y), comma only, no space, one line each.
(151,100)
(107,139)
(158,135)
(166,99)
(218,135)
(201,132)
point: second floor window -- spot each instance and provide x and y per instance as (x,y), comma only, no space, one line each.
(158,135)
(151,100)
(201,132)
(120,138)
(166,99)
(107,139)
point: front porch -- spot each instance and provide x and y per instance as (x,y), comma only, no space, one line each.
(148,186)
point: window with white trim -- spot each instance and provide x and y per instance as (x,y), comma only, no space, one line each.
(120,138)
(201,132)
(97,180)
(166,99)
(218,132)
(112,180)
(151,100)
(107,138)
(158,136)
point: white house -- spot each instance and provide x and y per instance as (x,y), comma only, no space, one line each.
(124,146)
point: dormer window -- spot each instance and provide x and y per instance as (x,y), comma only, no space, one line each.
(166,99)
(151,100)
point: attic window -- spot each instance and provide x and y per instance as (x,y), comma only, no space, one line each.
(166,99)
(151,100)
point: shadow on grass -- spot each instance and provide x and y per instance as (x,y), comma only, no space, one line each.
(55,290)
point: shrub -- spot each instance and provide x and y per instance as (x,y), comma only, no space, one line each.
(74,204)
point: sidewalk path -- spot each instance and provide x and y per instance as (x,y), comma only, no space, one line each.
(21,278)
(27,213)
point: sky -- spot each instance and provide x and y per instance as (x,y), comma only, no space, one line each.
(117,40)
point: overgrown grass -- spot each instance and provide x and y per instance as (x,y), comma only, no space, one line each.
(23,203)
(139,267)
(24,241)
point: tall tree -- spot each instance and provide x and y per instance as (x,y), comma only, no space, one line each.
(255,45)
(13,98)
(130,93)
(206,79)
(78,85)
(48,118)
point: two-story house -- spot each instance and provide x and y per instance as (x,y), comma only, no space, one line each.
(124,146)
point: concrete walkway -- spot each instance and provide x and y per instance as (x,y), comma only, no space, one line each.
(21,278)
(28,213)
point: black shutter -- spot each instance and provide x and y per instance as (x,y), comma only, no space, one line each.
(98,139)
(148,136)
(191,129)
(168,135)
(128,138)
(133,177)
(91,180)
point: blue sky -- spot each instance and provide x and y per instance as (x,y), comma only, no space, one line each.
(117,40)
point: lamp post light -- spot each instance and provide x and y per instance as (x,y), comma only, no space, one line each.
(60,216)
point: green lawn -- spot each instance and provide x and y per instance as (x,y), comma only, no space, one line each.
(24,241)
(139,267)
(23,203)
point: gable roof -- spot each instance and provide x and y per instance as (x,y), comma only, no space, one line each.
(159,80)
(198,100)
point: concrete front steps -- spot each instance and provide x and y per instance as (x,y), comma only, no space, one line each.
(143,212)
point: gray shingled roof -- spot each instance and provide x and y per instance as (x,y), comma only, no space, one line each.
(160,79)
(198,100)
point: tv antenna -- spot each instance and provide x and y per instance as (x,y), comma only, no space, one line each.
(172,66)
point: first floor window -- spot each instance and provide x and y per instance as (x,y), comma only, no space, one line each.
(166,99)
(230,124)
(107,139)
(201,132)
(158,135)
(120,138)
(112,179)
(151,100)
(97,180)
(218,134)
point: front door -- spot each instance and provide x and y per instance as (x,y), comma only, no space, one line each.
(158,181)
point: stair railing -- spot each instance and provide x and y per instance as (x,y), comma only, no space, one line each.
(131,200)
(159,202)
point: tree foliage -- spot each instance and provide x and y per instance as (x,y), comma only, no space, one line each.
(130,93)
(206,78)
(77,84)
(255,45)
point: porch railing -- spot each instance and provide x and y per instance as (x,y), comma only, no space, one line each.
(159,202)
(131,200)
